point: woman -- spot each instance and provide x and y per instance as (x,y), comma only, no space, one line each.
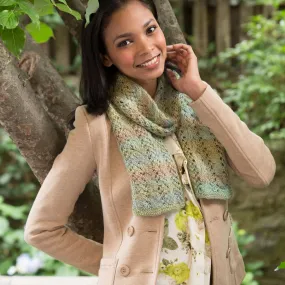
(160,146)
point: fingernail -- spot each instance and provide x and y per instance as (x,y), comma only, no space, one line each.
(169,70)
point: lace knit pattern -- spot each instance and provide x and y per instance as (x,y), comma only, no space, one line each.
(140,124)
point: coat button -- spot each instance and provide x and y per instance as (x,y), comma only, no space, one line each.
(131,231)
(226,214)
(125,270)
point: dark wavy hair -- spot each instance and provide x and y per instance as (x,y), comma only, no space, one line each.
(96,79)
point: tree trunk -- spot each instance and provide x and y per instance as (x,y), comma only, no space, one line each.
(223,25)
(246,11)
(200,24)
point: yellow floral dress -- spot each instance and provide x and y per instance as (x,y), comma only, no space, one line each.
(185,257)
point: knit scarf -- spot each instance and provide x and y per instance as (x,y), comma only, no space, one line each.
(141,123)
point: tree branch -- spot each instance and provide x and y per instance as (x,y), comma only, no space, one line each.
(23,117)
(168,22)
(49,86)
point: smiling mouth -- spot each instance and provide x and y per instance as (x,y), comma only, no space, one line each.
(143,64)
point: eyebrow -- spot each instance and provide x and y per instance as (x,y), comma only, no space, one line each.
(130,34)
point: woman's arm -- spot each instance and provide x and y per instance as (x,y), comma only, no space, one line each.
(247,154)
(45,228)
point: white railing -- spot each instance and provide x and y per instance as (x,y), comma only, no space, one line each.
(47,280)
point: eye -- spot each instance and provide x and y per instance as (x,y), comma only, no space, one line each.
(121,44)
(152,27)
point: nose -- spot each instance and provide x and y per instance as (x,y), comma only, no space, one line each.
(145,46)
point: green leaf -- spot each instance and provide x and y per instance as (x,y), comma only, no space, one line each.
(4,226)
(41,34)
(63,1)
(65,8)
(8,19)
(281,266)
(14,40)
(43,7)
(13,236)
(30,10)
(14,212)
(7,2)
(92,7)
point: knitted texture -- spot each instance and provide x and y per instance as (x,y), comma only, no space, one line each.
(141,123)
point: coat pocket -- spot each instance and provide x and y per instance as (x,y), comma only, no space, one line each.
(235,259)
(107,270)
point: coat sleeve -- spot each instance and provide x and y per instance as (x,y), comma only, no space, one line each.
(246,152)
(45,227)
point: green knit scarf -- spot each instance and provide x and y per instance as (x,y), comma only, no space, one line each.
(140,124)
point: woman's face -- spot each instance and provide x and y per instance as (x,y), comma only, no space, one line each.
(144,41)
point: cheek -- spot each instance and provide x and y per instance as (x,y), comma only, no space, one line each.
(162,42)
(126,59)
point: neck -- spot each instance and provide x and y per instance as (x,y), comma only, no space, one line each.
(150,86)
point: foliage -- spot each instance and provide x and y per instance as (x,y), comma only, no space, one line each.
(92,6)
(251,75)
(11,32)
(274,3)
(18,188)
(252,269)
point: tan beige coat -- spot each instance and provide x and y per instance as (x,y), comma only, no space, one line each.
(132,244)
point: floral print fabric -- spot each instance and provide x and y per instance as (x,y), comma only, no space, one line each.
(185,257)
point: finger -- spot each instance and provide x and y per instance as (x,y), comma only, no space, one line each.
(183,57)
(182,49)
(182,62)
(179,63)
(184,52)
(179,46)
(181,54)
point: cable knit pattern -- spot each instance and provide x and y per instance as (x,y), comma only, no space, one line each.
(140,124)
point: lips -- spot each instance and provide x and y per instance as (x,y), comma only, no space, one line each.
(148,60)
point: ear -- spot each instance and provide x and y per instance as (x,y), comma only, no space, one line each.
(106,60)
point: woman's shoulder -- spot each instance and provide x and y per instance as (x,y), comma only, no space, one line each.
(90,117)
(97,124)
